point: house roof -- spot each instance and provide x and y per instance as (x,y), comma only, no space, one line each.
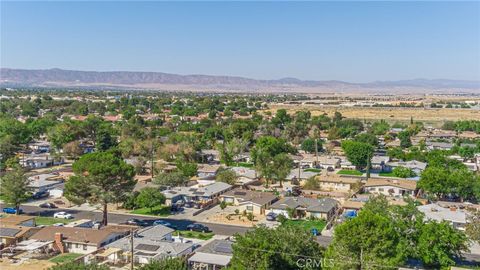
(380,159)
(14,219)
(311,205)
(205,191)
(256,197)
(303,174)
(9,232)
(439,213)
(412,164)
(217,246)
(336,178)
(400,183)
(80,235)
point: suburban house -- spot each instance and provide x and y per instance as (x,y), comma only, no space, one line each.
(251,201)
(337,182)
(200,194)
(151,243)
(44,182)
(40,146)
(326,162)
(80,240)
(455,216)
(207,171)
(439,145)
(379,162)
(306,207)
(14,229)
(300,174)
(391,187)
(215,255)
(35,161)
(209,156)
(415,166)
(245,176)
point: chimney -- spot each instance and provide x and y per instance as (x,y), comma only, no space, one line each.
(58,244)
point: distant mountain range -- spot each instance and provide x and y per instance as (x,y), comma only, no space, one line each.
(165,81)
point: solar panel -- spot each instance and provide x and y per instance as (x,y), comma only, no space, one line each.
(147,247)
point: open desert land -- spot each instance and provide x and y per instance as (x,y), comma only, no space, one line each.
(433,116)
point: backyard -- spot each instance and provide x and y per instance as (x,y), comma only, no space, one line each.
(64,258)
(308,225)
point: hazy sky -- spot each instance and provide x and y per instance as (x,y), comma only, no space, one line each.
(349,41)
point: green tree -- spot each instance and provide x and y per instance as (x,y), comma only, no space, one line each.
(227,176)
(403,172)
(188,169)
(172,179)
(100,178)
(380,128)
(308,145)
(359,153)
(405,140)
(280,248)
(367,138)
(149,197)
(14,187)
(282,165)
(439,244)
(369,241)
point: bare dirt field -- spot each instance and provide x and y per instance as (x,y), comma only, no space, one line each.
(430,116)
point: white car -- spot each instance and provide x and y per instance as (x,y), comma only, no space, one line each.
(58,225)
(63,215)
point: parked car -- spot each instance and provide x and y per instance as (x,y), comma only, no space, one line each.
(197,206)
(137,222)
(59,224)
(48,205)
(189,204)
(164,223)
(63,215)
(271,216)
(198,227)
(40,195)
(12,210)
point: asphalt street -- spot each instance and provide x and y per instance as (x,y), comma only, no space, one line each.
(220,229)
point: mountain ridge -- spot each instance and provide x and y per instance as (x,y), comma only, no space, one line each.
(56,77)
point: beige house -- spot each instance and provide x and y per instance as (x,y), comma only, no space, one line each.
(391,187)
(14,229)
(255,202)
(80,240)
(337,182)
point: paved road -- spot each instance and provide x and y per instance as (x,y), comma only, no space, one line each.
(219,229)
(122,218)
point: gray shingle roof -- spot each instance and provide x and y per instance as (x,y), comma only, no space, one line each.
(9,232)
(311,205)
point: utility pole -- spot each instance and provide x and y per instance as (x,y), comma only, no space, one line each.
(316,150)
(131,249)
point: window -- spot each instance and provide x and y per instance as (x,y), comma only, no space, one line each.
(249,208)
(380,189)
(84,247)
(77,245)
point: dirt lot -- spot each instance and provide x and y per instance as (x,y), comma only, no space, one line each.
(32,264)
(429,116)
